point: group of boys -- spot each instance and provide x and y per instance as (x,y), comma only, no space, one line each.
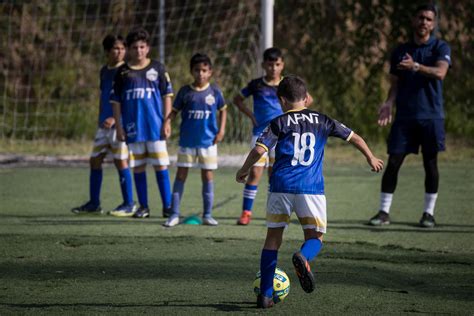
(288,137)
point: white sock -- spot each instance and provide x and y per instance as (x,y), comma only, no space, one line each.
(430,202)
(385,201)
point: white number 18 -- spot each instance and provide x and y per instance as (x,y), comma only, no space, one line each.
(301,146)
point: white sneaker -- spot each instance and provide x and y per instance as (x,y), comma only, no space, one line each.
(209,221)
(172,221)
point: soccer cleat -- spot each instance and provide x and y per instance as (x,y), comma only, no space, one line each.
(381,218)
(209,221)
(167,212)
(124,210)
(244,218)
(427,220)
(264,302)
(303,271)
(87,208)
(171,221)
(142,212)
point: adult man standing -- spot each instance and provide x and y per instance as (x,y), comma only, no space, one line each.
(417,71)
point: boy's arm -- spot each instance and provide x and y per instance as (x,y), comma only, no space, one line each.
(375,163)
(166,129)
(116,108)
(239,102)
(252,158)
(222,120)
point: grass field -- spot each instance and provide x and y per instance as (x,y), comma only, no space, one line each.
(55,263)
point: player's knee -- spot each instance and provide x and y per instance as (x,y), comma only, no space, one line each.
(121,164)
(312,234)
(96,162)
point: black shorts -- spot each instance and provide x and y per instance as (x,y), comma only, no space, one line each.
(406,136)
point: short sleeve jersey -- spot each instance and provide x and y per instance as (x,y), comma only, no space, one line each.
(198,115)
(106,81)
(300,137)
(265,102)
(420,97)
(140,94)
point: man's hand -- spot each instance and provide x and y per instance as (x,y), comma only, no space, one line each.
(241,175)
(385,114)
(219,137)
(407,63)
(120,133)
(375,163)
(166,129)
(108,123)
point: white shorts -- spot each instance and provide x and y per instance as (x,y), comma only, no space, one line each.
(105,142)
(154,153)
(310,209)
(267,159)
(204,158)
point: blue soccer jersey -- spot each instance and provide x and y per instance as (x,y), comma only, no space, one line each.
(140,93)
(265,102)
(107,76)
(300,137)
(198,115)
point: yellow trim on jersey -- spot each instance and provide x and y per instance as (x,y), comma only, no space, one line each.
(168,95)
(311,221)
(296,110)
(198,88)
(278,218)
(350,136)
(138,67)
(271,85)
(116,65)
(167,76)
(261,145)
(223,108)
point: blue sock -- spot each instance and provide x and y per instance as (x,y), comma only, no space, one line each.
(178,189)
(163,180)
(311,248)
(208,197)
(125,178)
(268,263)
(95,183)
(140,185)
(250,192)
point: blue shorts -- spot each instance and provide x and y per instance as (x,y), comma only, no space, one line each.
(407,136)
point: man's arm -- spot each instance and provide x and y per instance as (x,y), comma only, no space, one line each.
(438,72)
(222,121)
(254,155)
(239,102)
(385,110)
(375,163)
(116,108)
(166,129)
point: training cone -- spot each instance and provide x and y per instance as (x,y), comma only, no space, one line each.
(192,220)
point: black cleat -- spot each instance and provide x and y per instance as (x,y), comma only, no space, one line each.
(264,302)
(303,271)
(142,212)
(427,221)
(87,208)
(380,219)
(167,212)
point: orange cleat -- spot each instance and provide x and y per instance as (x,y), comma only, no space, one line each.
(245,218)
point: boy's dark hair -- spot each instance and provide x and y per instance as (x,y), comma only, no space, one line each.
(292,88)
(200,59)
(109,41)
(138,35)
(272,54)
(426,7)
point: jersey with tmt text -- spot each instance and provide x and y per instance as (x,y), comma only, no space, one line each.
(300,137)
(140,93)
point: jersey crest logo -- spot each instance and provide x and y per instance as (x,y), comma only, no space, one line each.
(152,74)
(210,100)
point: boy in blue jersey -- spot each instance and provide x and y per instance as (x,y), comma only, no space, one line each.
(265,108)
(297,183)
(199,104)
(141,99)
(105,138)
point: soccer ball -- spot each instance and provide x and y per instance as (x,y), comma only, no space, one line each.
(281,285)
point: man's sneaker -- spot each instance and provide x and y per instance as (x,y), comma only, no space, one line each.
(124,210)
(244,218)
(209,221)
(303,271)
(172,221)
(167,211)
(142,212)
(380,219)
(427,220)
(87,208)
(264,302)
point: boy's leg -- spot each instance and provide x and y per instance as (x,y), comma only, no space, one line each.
(126,186)
(157,155)
(95,184)
(207,161)
(250,192)
(178,189)
(268,263)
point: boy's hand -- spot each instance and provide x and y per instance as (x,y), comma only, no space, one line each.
(108,123)
(120,133)
(375,163)
(219,137)
(241,175)
(166,129)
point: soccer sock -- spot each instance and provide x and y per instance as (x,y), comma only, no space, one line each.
(95,183)
(250,191)
(268,262)
(140,185)
(178,189)
(385,201)
(311,248)
(125,179)
(163,180)
(208,197)
(430,202)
